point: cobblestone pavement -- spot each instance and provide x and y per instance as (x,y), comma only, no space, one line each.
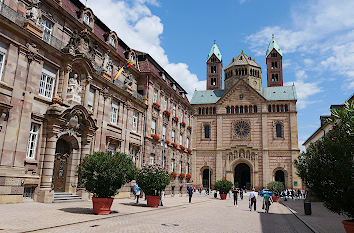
(321,219)
(177,215)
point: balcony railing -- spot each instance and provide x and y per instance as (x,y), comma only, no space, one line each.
(12,15)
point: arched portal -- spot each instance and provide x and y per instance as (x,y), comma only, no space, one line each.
(242,176)
(280,176)
(62,153)
(206,178)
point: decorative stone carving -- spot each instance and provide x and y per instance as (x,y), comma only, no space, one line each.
(74,90)
(33,13)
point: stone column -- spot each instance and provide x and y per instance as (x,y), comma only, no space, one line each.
(87,90)
(65,81)
(45,193)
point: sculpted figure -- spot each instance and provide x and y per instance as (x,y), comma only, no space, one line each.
(34,13)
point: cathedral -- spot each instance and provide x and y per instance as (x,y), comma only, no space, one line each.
(245,132)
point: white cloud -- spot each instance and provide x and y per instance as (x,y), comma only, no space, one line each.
(242,1)
(303,91)
(140,29)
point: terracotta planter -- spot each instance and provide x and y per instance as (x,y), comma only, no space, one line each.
(275,198)
(102,206)
(348,225)
(153,201)
(223,196)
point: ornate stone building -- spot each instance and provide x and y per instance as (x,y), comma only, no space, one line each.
(245,132)
(58,102)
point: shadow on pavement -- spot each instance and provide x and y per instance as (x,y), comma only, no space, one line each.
(80,210)
(134,204)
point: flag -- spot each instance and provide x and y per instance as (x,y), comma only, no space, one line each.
(129,63)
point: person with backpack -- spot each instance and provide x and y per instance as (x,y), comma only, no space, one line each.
(253,199)
(190,193)
(235,192)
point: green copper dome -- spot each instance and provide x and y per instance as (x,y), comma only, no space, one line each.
(273,45)
(215,50)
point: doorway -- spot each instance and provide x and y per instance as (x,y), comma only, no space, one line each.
(280,176)
(62,153)
(206,178)
(242,176)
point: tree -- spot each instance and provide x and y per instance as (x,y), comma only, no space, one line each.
(327,166)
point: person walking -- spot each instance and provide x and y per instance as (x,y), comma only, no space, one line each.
(162,197)
(253,199)
(267,199)
(134,190)
(137,193)
(190,193)
(241,193)
(235,192)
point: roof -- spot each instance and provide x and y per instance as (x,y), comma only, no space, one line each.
(206,97)
(279,93)
(215,50)
(269,93)
(241,60)
(273,45)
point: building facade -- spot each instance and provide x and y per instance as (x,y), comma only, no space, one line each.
(58,101)
(245,132)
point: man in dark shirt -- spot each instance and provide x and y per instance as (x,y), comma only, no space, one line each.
(235,192)
(190,193)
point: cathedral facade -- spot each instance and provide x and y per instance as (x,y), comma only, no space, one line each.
(245,132)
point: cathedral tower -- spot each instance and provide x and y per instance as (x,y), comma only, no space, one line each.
(214,69)
(274,57)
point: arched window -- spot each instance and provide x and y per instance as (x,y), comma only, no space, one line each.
(246,109)
(281,108)
(206,131)
(214,110)
(228,110)
(278,110)
(279,130)
(286,108)
(203,111)
(250,108)
(87,18)
(241,109)
(255,108)
(237,109)
(206,111)
(200,111)
(273,108)
(269,108)
(232,110)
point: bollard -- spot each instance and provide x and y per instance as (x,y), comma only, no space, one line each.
(307,207)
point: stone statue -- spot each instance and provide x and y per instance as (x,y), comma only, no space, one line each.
(106,62)
(128,80)
(74,89)
(34,13)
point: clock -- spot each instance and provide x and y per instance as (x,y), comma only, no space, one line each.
(242,128)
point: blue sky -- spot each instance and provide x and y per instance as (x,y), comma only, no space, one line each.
(316,36)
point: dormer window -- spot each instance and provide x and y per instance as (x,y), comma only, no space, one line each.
(163,77)
(112,41)
(174,86)
(131,57)
(87,18)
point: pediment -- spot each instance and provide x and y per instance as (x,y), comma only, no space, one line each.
(241,92)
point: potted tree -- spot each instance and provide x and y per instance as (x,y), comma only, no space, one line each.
(276,188)
(223,186)
(153,179)
(102,174)
(327,166)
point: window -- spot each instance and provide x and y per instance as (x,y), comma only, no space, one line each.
(91,99)
(112,148)
(187,143)
(214,110)
(46,85)
(114,112)
(174,110)
(181,139)
(213,69)
(87,18)
(174,86)
(237,109)
(279,130)
(133,153)
(135,121)
(255,109)
(246,109)
(200,111)
(213,81)
(278,109)
(180,167)
(152,158)
(131,57)
(2,58)
(163,77)
(172,165)
(173,136)
(164,132)
(163,159)
(269,108)
(241,109)
(181,120)
(187,168)
(32,141)
(154,100)
(286,108)
(112,41)
(165,104)
(206,131)
(153,126)
(228,110)
(47,27)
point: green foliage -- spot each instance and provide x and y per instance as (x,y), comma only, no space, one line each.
(327,167)
(103,173)
(153,179)
(276,187)
(223,186)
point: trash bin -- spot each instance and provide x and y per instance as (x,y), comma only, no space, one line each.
(307,207)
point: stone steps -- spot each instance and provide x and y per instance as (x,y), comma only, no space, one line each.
(66,197)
